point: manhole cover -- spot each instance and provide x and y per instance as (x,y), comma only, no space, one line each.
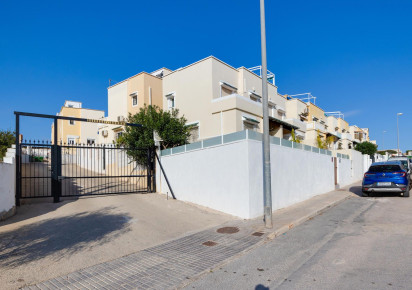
(257,234)
(228,230)
(209,244)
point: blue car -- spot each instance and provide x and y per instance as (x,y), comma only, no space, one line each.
(390,176)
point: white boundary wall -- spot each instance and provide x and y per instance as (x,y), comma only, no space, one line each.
(228,177)
(7,190)
(297,175)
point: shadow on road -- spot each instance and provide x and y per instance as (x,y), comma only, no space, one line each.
(60,236)
(358,191)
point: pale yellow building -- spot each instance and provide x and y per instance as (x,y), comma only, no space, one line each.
(77,132)
(127,97)
(218,99)
(359,135)
(316,125)
(297,113)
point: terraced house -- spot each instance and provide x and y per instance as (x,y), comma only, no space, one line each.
(218,99)
(128,96)
(73,132)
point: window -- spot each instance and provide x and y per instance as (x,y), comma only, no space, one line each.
(255,97)
(71,122)
(226,89)
(70,141)
(170,101)
(134,99)
(118,135)
(194,133)
(90,141)
(272,111)
(249,126)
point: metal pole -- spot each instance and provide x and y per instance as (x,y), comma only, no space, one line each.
(164,174)
(397,126)
(267,190)
(17,161)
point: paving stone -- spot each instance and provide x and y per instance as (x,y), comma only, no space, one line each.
(163,266)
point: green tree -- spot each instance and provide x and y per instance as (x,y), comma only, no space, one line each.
(7,138)
(171,128)
(366,148)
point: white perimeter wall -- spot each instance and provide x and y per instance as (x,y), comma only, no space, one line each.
(297,175)
(229,177)
(216,177)
(7,189)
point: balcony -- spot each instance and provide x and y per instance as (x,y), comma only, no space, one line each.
(298,123)
(347,136)
(316,126)
(334,133)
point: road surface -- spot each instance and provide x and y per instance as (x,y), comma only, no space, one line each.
(362,243)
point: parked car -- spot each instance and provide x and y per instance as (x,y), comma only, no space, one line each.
(390,176)
(405,161)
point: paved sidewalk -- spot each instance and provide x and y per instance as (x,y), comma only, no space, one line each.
(176,263)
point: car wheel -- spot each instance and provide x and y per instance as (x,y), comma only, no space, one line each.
(406,193)
(365,194)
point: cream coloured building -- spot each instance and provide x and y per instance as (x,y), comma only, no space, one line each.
(76,132)
(127,97)
(218,99)
(359,135)
(316,125)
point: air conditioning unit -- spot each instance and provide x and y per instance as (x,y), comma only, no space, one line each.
(120,119)
(105,133)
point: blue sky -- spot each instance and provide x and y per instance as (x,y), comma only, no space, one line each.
(354,56)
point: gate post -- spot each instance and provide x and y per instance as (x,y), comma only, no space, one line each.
(153,163)
(17,161)
(149,170)
(56,166)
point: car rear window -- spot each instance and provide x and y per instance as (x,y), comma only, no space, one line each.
(384,168)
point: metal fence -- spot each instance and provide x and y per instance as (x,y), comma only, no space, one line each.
(82,169)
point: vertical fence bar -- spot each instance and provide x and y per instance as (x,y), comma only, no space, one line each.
(17,161)
(55,170)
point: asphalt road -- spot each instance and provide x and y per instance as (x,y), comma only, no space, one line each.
(362,243)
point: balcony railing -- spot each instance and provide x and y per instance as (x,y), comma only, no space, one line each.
(347,136)
(316,126)
(298,123)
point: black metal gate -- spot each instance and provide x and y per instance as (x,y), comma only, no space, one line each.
(52,169)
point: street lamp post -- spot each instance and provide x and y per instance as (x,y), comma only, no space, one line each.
(267,190)
(397,126)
